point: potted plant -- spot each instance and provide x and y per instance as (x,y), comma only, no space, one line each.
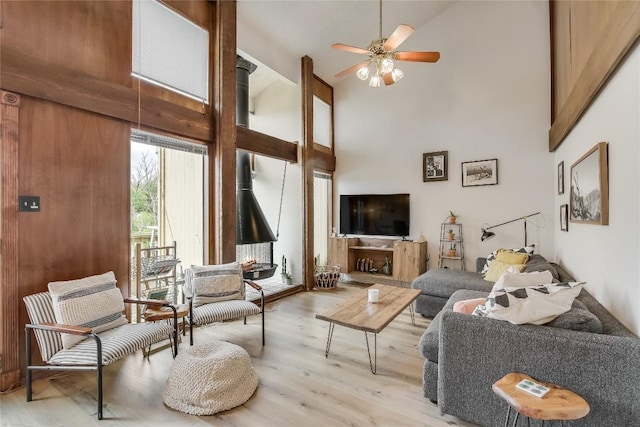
(452,217)
(452,250)
(450,234)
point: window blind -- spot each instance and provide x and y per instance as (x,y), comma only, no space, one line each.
(163,141)
(169,50)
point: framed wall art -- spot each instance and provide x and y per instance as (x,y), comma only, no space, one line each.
(561,178)
(589,197)
(480,172)
(434,166)
(564,217)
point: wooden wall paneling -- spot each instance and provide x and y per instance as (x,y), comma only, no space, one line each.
(9,301)
(222,218)
(588,21)
(78,163)
(94,37)
(620,34)
(307,171)
(561,82)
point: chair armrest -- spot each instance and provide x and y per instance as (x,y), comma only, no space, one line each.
(59,327)
(254,285)
(150,302)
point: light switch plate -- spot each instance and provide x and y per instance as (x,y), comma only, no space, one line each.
(29,203)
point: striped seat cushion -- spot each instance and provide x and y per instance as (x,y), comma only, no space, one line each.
(93,302)
(224,310)
(116,343)
(40,310)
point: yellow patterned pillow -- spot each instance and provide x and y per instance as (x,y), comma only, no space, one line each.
(498,267)
(511,257)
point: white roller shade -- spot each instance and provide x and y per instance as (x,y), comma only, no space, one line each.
(169,50)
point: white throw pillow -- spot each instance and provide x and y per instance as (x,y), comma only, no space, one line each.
(93,302)
(214,283)
(513,278)
(533,304)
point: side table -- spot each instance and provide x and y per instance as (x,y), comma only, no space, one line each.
(155,314)
(559,404)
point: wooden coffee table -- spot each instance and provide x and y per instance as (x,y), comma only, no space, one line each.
(357,313)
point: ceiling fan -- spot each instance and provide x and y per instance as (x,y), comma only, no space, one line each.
(383,56)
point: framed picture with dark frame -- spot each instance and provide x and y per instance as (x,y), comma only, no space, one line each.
(480,172)
(564,217)
(434,166)
(561,177)
(589,190)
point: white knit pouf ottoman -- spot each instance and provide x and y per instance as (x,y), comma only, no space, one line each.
(208,378)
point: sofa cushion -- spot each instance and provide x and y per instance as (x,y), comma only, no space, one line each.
(533,304)
(443,282)
(579,318)
(539,263)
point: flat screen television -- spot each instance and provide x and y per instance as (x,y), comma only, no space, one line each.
(374,214)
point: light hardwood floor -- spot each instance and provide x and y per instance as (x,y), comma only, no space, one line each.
(298,386)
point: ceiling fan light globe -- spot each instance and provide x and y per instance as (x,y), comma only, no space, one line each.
(375,81)
(387,65)
(397,74)
(363,72)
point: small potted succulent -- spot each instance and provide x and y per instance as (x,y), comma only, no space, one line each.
(452,250)
(450,234)
(452,217)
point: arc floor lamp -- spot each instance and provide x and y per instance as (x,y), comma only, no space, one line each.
(489,234)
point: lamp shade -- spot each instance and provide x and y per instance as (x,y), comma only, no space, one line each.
(486,235)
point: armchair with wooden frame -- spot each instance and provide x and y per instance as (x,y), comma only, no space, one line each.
(216,293)
(87,344)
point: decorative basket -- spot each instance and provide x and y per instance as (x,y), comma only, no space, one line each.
(326,276)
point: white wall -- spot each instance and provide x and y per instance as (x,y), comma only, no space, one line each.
(606,256)
(277,113)
(487,97)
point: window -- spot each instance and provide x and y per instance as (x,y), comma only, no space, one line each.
(169,50)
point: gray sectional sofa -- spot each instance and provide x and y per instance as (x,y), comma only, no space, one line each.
(465,354)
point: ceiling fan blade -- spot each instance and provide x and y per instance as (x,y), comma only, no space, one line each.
(398,36)
(418,56)
(388,80)
(351,69)
(341,46)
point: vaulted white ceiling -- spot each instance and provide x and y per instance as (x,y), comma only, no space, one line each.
(278,33)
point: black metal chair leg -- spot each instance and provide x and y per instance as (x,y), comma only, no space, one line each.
(262,310)
(27,340)
(99,372)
